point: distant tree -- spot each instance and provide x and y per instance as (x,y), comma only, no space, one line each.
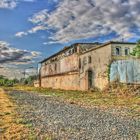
(28,81)
(15,81)
(136,50)
(7,82)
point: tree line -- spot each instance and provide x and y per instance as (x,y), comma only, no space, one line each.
(4,81)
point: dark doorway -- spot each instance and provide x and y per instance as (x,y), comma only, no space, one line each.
(90,79)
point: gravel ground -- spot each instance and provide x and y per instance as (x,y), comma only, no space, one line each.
(72,122)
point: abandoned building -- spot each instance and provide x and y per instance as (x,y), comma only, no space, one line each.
(82,66)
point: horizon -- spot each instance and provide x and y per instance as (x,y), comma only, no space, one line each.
(32,30)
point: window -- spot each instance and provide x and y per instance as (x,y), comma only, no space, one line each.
(117,51)
(89,59)
(55,67)
(126,51)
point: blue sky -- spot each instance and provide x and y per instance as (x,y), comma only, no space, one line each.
(31,30)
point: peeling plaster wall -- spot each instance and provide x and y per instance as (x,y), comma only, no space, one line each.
(100,58)
(62,73)
(65,64)
(125,71)
(69,69)
(69,81)
(122,48)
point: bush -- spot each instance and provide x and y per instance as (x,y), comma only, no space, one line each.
(6,82)
(136,50)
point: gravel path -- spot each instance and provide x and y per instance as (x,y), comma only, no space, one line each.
(72,122)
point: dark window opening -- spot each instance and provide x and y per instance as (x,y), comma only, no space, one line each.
(75,49)
(89,59)
(126,51)
(117,51)
(55,67)
(79,63)
(90,79)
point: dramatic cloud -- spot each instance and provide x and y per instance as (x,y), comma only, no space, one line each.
(12,55)
(78,19)
(10,4)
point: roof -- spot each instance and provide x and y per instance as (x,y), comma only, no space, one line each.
(65,49)
(110,42)
(118,42)
(76,44)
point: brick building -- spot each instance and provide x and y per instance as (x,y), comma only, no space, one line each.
(82,66)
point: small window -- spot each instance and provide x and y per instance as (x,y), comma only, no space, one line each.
(55,67)
(126,51)
(75,49)
(117,51)
(89,59)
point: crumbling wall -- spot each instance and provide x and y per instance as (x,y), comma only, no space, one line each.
(65,64)
(69,81)
(125,71)
(100,59)
(62,73)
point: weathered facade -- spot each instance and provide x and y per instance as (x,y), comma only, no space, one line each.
(82,66)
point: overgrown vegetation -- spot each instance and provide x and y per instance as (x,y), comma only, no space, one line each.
(136,50)
(23,81)
(28,81)
(7,82)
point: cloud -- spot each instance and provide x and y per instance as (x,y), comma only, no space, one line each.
(78,19)
(15,56)
(12,71)
(31,31)
(20,34)
(50,42)
(11,4)
(35,29)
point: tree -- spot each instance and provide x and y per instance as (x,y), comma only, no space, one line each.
(136,50)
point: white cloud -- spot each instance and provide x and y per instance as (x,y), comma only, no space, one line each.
(50,42)
(35,29)
(31,31)
(77,19)
(20,34)
(11,4)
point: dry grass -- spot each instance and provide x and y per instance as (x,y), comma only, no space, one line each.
(9,129)
(117,97)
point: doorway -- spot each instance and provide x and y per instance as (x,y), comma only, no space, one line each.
(90,79)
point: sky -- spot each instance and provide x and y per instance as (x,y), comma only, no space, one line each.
(31,30)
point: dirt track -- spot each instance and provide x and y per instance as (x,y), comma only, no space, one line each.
(65,121)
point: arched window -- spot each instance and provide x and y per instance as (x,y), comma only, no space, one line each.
(117,51)
(126,51)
